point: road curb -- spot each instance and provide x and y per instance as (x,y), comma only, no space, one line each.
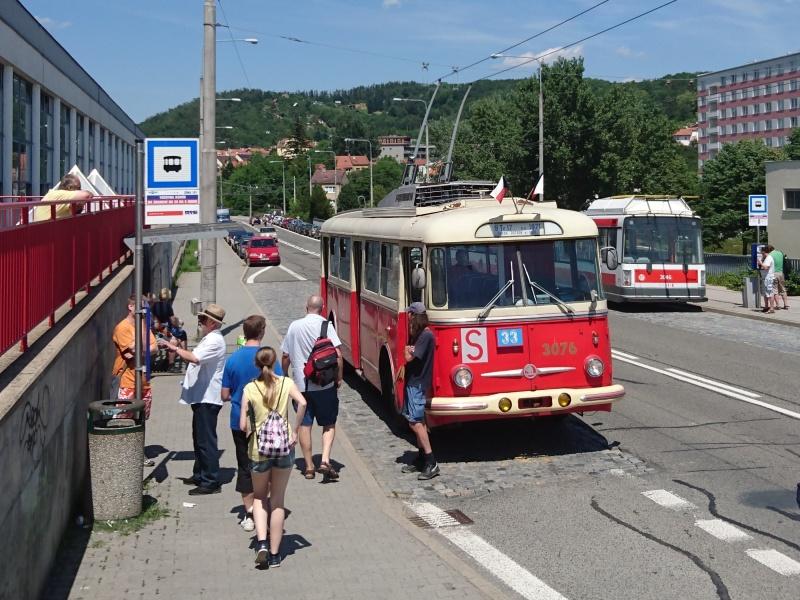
(733,313)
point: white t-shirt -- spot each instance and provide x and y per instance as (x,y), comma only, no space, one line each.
(298,343)
(203,381)
(769,263)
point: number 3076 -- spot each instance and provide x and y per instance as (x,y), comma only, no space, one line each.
(559,348)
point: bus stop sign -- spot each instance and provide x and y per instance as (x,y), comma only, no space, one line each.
(757,210)
(171,181)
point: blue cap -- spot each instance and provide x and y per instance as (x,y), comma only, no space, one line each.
(417,308)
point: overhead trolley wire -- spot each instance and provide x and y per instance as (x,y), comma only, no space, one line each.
(234,44)
(456,70)
(575,43)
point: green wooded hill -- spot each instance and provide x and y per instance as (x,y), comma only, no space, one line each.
(332,115)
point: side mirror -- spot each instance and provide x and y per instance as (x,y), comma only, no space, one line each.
(609,255)
(419,279)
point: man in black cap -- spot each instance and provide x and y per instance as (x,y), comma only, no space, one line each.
(418,378)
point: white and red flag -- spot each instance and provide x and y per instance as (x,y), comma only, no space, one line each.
(539,188)
(500,190)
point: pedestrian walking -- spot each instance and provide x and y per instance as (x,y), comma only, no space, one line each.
(323,400)
(418,377)
(265,415)
(240,369)
(201,390)
(767,267)
(780,277)
(124,369)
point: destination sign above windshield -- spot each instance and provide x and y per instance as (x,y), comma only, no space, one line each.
(529,228)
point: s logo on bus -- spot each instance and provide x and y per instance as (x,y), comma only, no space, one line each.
(474,345)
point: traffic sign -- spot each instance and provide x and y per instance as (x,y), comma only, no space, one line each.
(171,176)
(757,210)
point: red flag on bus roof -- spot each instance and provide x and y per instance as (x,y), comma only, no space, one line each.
(500,190)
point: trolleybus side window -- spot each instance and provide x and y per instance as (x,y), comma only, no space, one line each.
(438,275)
(372,266)
(333,260)
(412,258)
(344,258)
(390,270)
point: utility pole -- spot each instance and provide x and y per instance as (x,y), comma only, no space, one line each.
(541,124)
(208,161)
(138,261)
(250,190)
(294,193)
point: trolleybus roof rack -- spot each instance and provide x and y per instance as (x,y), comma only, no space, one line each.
(639,204)
(432,194)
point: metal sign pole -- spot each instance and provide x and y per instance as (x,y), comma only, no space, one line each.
(138,265)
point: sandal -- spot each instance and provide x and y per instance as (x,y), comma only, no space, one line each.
(328,472)
(309,473)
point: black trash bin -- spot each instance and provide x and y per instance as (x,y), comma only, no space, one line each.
(116,458)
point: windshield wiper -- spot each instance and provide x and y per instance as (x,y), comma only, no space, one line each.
(493,302)
(558,300)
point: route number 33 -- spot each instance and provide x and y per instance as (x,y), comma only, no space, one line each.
(559,348)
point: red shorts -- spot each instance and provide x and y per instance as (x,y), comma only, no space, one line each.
(129,394)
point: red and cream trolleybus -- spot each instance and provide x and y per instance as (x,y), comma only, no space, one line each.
(652,249)
(514,301)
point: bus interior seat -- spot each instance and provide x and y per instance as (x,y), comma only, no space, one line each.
(642,260)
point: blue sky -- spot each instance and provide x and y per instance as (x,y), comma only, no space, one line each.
(147,53)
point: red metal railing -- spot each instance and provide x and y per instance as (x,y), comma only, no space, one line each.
(43,264)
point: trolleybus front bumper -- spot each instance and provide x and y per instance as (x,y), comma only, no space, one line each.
(520,404)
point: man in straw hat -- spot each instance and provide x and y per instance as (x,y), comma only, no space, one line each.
(201,390)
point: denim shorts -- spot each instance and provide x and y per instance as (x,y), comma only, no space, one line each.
(414,407)
(284,462)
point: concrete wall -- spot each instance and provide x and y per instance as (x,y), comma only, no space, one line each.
(43,441)
(160,261)
(784,225)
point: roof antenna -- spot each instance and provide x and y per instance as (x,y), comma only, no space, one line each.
(447,170)
(410,171)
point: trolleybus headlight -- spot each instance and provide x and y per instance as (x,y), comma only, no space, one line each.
(594,367)
(462,377)
(504,405)
(564,399)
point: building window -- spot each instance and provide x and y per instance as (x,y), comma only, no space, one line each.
(63,162)
(768,142)
(90,151)
(80,151)
(101,160)
(733,78)
(46,144)
(756,74)
(791,199)
(723,80)
(780,69)
(21,137)
(794,121)
(768,72)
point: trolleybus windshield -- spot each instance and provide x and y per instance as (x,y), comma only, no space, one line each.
(662,240)
(468,276)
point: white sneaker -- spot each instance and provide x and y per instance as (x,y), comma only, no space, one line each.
(247,523)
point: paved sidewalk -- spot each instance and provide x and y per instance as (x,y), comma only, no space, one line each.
(723,300)
(343,539)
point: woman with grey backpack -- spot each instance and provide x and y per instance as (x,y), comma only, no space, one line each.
(265,416)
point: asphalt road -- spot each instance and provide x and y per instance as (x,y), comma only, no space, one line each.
(686,490)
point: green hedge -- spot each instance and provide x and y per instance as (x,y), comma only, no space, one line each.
(733,281)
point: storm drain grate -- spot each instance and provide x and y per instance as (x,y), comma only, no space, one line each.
(431,517)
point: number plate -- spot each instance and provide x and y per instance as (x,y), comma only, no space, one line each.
(508,338)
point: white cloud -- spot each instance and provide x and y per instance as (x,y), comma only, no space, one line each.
(626,52)
(391,3)
(552,55)
(53,23)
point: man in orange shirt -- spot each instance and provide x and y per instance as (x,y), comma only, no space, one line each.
(125,360)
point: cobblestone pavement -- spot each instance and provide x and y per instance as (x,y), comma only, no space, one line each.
(475,458)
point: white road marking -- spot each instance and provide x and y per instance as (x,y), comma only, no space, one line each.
(433,515)
(292,273)
(722,530)
(719,384)
(498,564)
(714,388)
(780,563)
(668,499)
(252,277)
(301,249)
(623,355)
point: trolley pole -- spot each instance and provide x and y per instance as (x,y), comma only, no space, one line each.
(208,165)
(138,265)
(541,124)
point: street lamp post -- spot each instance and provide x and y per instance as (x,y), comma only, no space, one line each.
(371,194)
(283,170)
(541,108)
(427,144)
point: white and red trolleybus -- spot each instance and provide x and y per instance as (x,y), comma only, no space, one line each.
(652,249)
(514,301)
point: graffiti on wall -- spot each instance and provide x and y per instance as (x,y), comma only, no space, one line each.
(33,425)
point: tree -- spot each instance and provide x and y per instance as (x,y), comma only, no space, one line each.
(728,179)
(386,175)
(299,140)
(320,206)
(792,149)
